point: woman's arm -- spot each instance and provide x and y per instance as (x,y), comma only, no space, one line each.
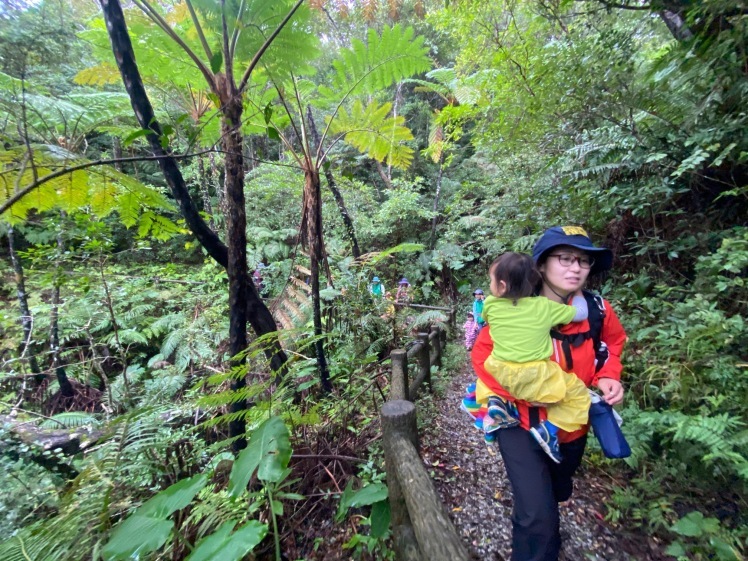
(608,379)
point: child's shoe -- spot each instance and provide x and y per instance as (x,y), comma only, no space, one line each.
(503,413)
(547,436)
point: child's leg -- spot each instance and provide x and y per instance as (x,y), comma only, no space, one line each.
(472,408)
(572,412)
(545,382)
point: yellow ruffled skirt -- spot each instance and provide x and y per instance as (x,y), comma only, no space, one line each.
(542,381)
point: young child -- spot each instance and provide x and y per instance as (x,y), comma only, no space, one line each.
(519,325)
(471,330)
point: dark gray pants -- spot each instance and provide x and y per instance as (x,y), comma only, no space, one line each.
(538,485)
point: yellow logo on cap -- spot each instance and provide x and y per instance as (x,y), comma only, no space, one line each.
(574,231)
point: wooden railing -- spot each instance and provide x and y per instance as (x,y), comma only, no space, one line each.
(422,530)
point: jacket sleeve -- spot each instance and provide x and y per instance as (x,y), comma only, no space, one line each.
(614,337)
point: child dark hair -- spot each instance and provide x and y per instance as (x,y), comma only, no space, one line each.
(518,272)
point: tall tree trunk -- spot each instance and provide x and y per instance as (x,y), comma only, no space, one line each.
(432,240)
(117,152)
(205,190)
(236,239)
(350,230)
(385,179)
(23,303)
(258,314)
(313,213)
(66,388)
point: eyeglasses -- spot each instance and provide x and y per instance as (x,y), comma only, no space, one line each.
(567,260)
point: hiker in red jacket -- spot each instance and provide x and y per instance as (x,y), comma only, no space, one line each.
(538,484)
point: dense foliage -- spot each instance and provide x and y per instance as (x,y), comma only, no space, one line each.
(435,136)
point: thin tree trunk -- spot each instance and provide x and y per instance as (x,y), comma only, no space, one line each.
(66,388)
(236,239)
(258,314)
(432,240)
(27,321)
(117,152)
(350,230)
(205,190)
(385,179)
(313,210)
(115,327)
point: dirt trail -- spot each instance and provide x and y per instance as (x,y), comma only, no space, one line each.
(473,485)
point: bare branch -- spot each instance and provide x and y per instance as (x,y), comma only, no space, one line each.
(199,30)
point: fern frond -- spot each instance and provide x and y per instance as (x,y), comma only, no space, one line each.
(370,130)
(70,419)
(382,62)
(427,318)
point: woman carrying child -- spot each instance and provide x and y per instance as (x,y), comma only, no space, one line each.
(520,326)
(565,257)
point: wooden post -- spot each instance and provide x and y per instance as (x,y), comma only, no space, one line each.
(424,360)
(399,381)
(398,419)
(437,345)
(453,318)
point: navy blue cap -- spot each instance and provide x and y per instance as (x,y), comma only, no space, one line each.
(403,281)
(576,237)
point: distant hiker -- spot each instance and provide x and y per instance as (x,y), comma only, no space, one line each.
(376,288)
(478,307)
(257,278)
(403,291)
(471,330)
(565,257)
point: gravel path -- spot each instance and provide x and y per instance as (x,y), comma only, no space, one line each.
(461,465)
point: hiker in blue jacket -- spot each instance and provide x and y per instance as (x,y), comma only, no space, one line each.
(478,307)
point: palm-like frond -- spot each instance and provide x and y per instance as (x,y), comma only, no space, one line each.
(382,62)
(102,188)
(370,130)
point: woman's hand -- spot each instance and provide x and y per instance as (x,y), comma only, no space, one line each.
(612,390)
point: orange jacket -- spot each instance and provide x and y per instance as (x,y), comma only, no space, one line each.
(583,358)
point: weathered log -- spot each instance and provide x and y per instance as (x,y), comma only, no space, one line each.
(406,544)
(424,366)
(41,441)
(422,306)
(399,382)
(414,502)
(414,350)
(69,441)
(436,535)
(435,339)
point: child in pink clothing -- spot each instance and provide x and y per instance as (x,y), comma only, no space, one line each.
(471,330)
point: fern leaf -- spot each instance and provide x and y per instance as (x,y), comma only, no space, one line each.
(372,132)
(382,62)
